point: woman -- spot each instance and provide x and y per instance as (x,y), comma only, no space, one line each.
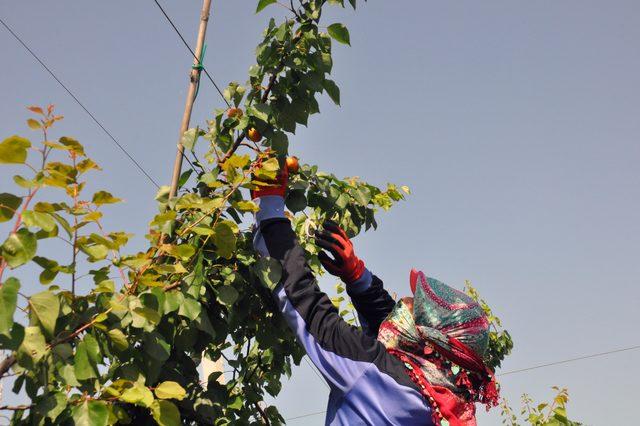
(415,362)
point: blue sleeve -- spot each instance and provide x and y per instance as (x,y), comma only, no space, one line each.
(342,353)
(372,302)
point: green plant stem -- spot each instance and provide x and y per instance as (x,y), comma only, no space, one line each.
(74,246)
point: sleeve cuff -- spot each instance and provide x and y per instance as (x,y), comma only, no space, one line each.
(271,206)
(362,284)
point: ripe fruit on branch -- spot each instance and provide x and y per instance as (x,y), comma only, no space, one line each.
(254,135)
(292,165)
(234,112)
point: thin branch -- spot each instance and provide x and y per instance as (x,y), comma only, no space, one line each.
(6,364)
(265,97)
(285,6)
(79,330)
(74,246)
(262,414)
(250,147)
(15,407)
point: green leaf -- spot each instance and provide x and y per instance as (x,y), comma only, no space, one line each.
(91,413)
(339,33)
(9,204)
(19,248)
(227,295)
(67,372)
(189,138)
(164,221)
(165,413)
(181,251)
(156,347)
(296,201)
(51,405)
(170,390)
(268,170)
(264,3)
(104,197)
(8,299)
(25,183)
(224,238)
(118,338)
(13,150)
(83,365)
(342,201)
(332,90)
(190,308)
(260,111)
(138,394)
(72,145)
(86,165)
(38,219)
(46,306)
(280,143)
(172,301)
(246,206)
(147,314)
(34,124)
(269,271)
(236,404)
(361,195)
(33,347)
(95,252)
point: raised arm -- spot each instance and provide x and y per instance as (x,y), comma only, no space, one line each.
(342,353)
(372,302)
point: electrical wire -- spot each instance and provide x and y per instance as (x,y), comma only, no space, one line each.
(113,139)
(313,367)
(166,15)
(565,361)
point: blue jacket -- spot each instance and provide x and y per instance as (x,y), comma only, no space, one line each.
(368,385)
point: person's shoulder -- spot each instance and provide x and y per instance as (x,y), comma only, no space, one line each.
(394,368)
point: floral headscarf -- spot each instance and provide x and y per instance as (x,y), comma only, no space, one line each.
(442,335)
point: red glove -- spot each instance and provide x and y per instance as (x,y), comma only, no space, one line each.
(345,264)
(275,187)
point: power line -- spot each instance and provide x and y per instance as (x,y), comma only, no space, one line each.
(306,415)
(313,367)
(192,52)
(565,361)
(133,160)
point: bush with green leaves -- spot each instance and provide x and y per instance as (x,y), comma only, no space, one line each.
(127,350)
(542,414)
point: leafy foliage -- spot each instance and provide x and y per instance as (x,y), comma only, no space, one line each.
(500,342)
(127,349)
(542,414)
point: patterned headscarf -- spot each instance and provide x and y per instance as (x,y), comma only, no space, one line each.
(442,335)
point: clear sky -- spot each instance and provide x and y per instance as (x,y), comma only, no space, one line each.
(515,124)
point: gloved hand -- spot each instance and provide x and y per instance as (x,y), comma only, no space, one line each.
(345,264)
(275,187)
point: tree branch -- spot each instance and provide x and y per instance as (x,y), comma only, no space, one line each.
(265,97)
(15,407)
(6,364)
(262,414)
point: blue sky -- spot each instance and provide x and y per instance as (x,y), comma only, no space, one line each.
(515,124)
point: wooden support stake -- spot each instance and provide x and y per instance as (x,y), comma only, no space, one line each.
(193,85)
(194,79)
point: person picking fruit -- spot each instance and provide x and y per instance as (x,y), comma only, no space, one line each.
(419,361)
